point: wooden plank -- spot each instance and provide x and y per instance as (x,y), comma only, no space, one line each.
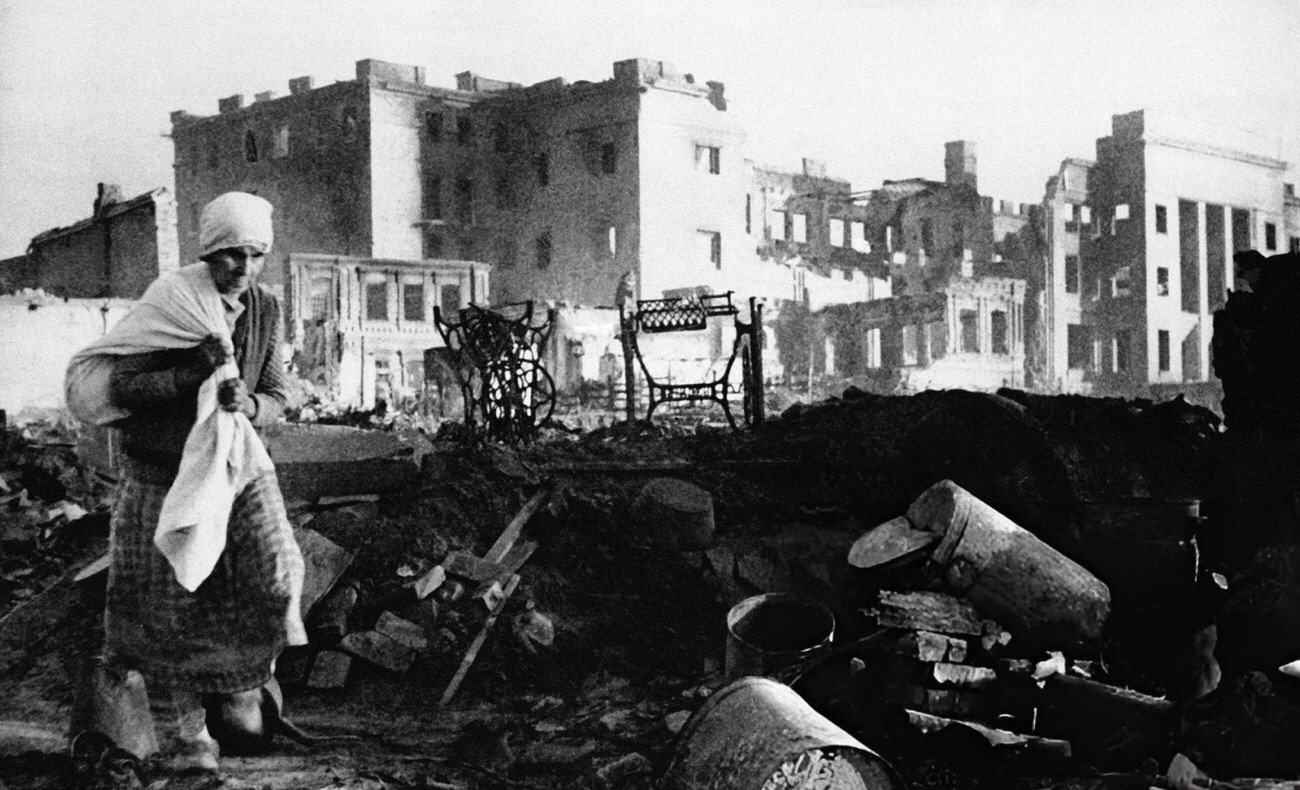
(929,611)
(516,526)
(470,655)
(1046,747)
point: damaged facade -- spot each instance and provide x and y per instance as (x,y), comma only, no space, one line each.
(558,189)
(1140,245)
(115,253)
(956,318)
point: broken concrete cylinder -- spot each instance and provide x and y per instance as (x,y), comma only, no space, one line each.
(674,514)
(1039,594)
(758,733)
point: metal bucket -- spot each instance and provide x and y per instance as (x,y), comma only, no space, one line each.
(766,633)
(757,734)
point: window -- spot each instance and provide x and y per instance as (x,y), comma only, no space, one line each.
(1162,281)
(465,201)
(711,242)
(281,149)
(543,169)
(608,158)
(413,301)
(1119,284)
(1121,211)
(837,233)
(1162,347)
(911,344)
(543,245)
(1294,249)
(970,337)
(250,147)
(749,209)
(433,126)
(1072,274)
(708,158)
(776,224)
(799,227)
(927,236)
(433,197)
(376,298)
(998,325)
(1121,350)
(464,130)
(611,236)
(350,123)
(1085,215)
(320,288)
(1078,343)
(1270,236)
(1070,212)
(958,240)
(1240,230)
(504,191)
(449,299)
(889,238)
(1162,219)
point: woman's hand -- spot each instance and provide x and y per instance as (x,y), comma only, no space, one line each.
(232,395)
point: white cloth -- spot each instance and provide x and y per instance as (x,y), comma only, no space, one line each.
(235,219)
(222,452)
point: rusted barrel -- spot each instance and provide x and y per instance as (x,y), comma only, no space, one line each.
(768,632)
(757,734)
(1033,590)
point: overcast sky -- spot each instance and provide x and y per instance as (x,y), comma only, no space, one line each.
(872,87)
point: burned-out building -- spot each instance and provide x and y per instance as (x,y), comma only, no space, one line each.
(1139,250)
(956,317)
(114,253)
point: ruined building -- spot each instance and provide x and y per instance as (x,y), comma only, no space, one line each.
(114,253)
(956,318)
(1139,246)
(358,256)
(393,196)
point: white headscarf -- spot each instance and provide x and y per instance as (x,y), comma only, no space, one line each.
(235,219)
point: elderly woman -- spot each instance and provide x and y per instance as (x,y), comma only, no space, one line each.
(221,637)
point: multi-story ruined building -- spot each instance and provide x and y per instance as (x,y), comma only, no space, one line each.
(115,253)
(358,172)
(558,189)
(956,318)
(1139,248)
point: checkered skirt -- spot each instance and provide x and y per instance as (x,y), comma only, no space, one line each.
(222,637)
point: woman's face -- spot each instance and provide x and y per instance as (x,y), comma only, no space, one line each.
(234,268)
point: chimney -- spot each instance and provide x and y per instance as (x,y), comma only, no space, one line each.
(715,95)
(263,96)
(959,163)
(1024,208)
(1288,190)
(230,103)
(105,196)
(1006,207)
(814,168)
(299,85)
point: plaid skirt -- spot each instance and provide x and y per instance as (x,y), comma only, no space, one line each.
(222,637)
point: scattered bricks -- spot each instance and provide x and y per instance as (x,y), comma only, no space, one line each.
(325,562)
(927,611)
(929,646)
(380,650)
(467,566)
(963,675)
(329,620)
(403,631)
(329,670)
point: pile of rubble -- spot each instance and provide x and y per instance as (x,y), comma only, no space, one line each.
(555,615)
